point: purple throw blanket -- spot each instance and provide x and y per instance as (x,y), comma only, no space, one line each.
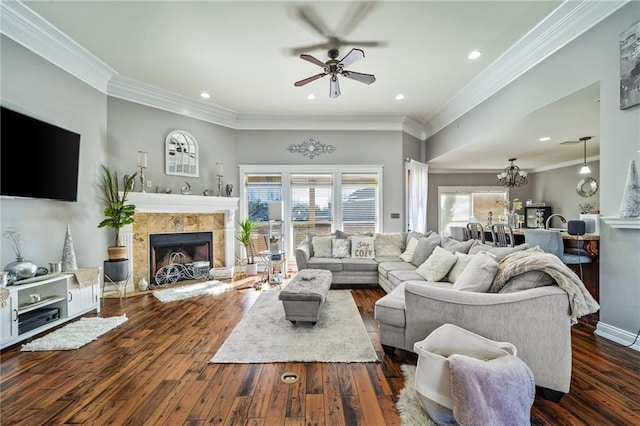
(497,392)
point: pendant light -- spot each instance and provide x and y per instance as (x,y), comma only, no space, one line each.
(585,170)
(512,176)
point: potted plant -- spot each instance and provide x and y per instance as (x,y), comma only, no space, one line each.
(116,210)
(244,237)
(274,247)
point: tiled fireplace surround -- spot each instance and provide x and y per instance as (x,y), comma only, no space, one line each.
(173,213)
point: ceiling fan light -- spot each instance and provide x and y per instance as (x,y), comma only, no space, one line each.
(585,170)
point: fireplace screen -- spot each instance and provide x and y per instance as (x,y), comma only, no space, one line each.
(177,257)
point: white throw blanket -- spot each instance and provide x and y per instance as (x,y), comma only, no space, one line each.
(580,300)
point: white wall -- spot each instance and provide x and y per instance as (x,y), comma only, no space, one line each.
(37,88)
(593,57)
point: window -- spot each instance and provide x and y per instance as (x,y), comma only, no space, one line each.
(460,205)
(311,205)
(359,202)
(261,190)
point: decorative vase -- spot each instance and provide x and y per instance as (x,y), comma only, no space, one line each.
(251,269)
(512,219)
(143,284)
(274,248)
(21,269)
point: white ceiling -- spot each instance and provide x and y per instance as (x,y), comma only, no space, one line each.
(239,52)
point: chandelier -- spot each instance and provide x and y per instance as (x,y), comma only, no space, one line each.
(512,176)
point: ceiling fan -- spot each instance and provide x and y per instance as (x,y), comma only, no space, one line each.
(582,139)
(334,67)
(355,14)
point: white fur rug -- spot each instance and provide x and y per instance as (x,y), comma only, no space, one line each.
(264,335)
(409,408)
(75,334)
(192,290)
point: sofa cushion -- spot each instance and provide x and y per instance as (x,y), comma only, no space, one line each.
(361,265)
(418,235)
(340,248)
(362,247)
(437,266)
(397,265)
(408,252)
(389,244)
(328,263)
(399,276)
(344,235)
(454,246)
(310,235)
(459,266)
(498,252)
(425,247)
(478,275)
(390,308)
(527,280)
(321,246)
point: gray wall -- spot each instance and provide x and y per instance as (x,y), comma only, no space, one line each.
(37,88)
(352,148)
(593,57)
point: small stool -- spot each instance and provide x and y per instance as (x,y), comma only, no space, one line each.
(304,294)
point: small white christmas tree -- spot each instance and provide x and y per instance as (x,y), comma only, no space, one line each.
(630,204)
(68,254)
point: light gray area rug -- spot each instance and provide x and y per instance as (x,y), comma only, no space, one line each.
(409,409)
(264,335)
(191,290)
(75,334)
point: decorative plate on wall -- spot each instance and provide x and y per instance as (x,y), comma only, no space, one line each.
(587,187)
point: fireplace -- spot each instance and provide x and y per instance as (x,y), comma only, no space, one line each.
(179,256)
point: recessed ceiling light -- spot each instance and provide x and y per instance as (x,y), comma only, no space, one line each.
(204,95)
(399,97)
(475,54)
(544,139)
(311,96)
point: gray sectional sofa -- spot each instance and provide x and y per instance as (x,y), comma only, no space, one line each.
(501,293)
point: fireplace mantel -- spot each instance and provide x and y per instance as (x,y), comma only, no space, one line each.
(146,202)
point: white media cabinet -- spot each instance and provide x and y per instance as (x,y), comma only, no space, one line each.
(60,291)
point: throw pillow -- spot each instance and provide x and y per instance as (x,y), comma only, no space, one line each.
(456,246)
(425,247)
(408,253)
(478,275)
(459,266)
(362,247)
(341,247)
(527,280)
(437,265)
(389,244)
(499,252)
(341,234)
(321,246)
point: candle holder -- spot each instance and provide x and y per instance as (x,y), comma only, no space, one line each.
(220,175)
(219,185)
(142,164)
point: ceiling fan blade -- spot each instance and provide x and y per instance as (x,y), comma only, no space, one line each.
(296,51)
(309,79)
(353,16)
(334,87)
(308,15)
(357,76)
(569,142)
(313,60)
(363,43)
(351,57)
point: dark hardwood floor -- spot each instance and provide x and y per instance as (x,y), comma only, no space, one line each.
(154,370)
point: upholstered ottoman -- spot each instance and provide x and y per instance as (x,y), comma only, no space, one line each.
(304,295)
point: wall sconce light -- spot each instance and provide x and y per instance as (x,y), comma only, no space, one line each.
(512,176)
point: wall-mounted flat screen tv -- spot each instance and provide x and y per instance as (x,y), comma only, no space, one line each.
(37,159)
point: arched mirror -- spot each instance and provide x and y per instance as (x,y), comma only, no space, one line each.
(181,154)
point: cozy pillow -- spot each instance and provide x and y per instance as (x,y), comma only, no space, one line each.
(362,247)
(321,246)
(499,252)
(437,265)
(408,253)
(389,244)
(459,266)
(454,246)
(340,247)
(425,248)
(527,280)
(478,275)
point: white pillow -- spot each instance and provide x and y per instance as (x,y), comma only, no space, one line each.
(461,264)
(437,265)
(362,247)
(341,247)
(478,275)
(321,246)
(389,244)
(408,253)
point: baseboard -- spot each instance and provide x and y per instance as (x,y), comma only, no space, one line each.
(617,335)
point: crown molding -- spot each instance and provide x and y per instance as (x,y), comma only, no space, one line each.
(29,29)
(567,22)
